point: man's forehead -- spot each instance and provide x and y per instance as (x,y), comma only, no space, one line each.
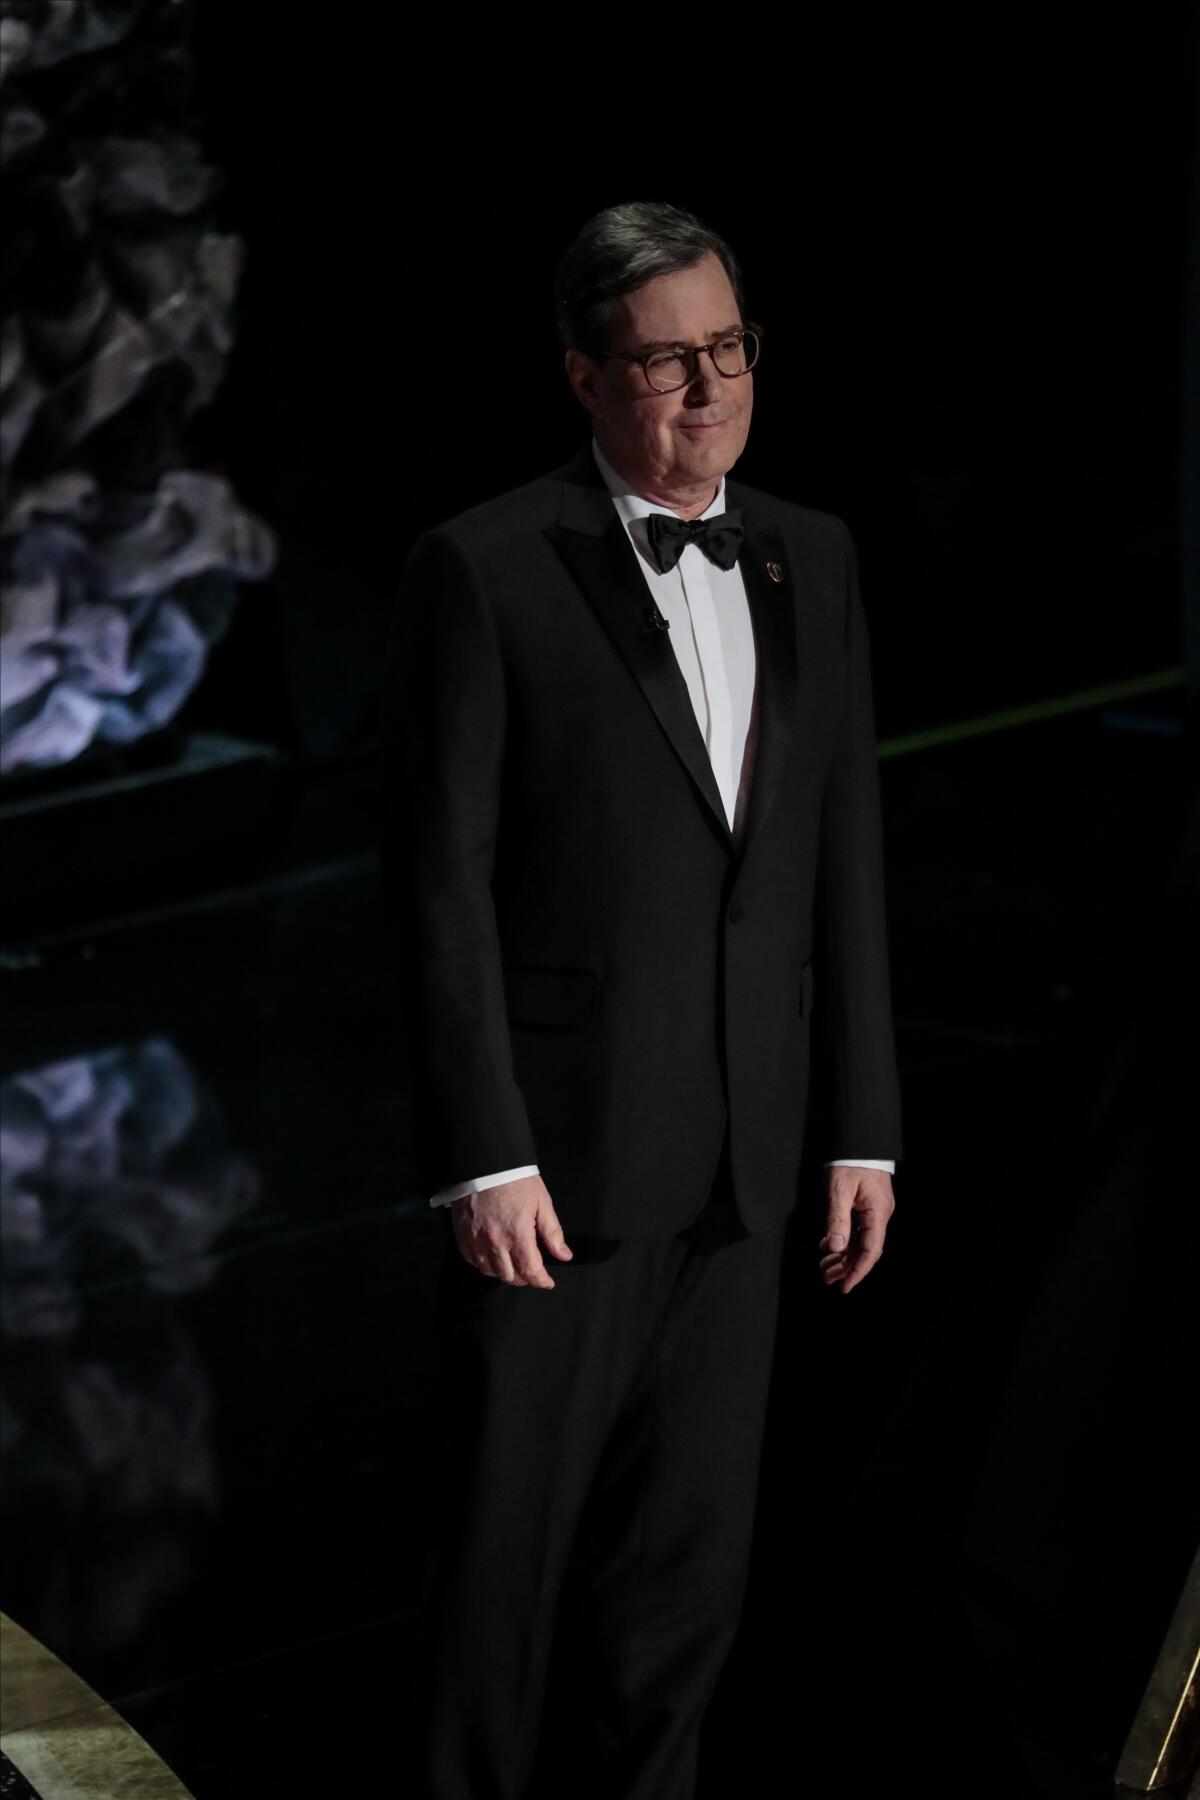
(671,308)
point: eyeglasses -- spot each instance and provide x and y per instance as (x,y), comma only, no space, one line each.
(734,354)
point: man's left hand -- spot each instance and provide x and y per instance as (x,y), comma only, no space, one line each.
(859,1206)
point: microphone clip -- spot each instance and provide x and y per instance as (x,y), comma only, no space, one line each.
(652,619)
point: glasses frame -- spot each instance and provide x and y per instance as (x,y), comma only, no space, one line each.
(693,353)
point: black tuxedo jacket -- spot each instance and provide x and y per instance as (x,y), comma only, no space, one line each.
(594,979)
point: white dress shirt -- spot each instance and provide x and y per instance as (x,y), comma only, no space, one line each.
(713,639)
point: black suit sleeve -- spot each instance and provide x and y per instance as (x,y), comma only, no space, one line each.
(442,729)
(852,1015)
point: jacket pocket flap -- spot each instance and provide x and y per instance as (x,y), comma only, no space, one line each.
(551,996)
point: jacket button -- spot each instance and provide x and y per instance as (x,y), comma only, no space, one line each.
(737,911)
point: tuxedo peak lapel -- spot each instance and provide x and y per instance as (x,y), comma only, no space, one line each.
(771,595)
(593,542)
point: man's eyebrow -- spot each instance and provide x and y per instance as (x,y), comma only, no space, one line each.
(678,343)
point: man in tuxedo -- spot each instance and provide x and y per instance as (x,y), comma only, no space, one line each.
(632,849)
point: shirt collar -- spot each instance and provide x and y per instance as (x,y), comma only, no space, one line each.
(634,506)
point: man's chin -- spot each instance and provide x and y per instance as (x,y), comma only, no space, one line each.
(711,449)
(724,439)
(716,460)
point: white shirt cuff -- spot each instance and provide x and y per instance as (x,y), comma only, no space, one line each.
(445,1195)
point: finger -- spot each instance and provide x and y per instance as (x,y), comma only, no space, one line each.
(861,1265)
(837,1226)
(552,1234)
(502,1262)
(869,1247)
(529,1263)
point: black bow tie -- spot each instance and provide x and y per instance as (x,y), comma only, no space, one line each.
(720,537)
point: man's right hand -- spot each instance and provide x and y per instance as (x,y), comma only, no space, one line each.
(497,1231)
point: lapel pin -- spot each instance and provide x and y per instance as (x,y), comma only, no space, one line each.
(774,571)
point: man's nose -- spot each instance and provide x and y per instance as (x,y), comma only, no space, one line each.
(705,377)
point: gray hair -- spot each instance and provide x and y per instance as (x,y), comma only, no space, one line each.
(619,249)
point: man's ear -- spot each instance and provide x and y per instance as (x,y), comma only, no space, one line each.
(584,376)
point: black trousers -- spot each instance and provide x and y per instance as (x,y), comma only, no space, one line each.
(610,1427)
